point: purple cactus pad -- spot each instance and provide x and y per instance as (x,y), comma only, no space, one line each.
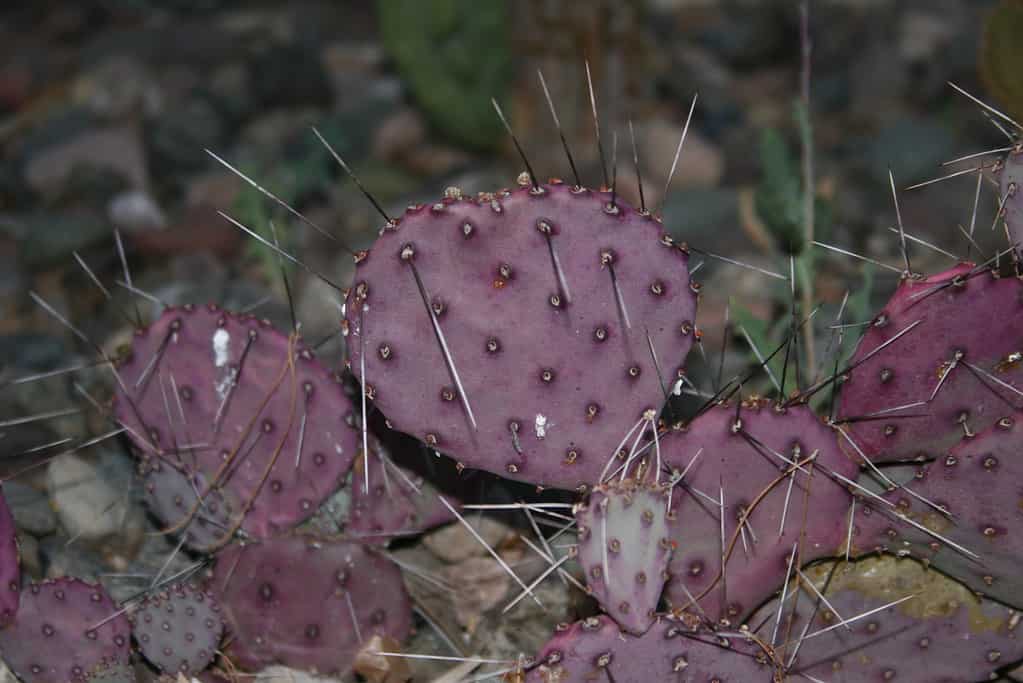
(65,630)
(10,573)
(624,547)
(397,503)
(978,483)
(173,489)
(236,405)
(565,318)
(746,457)
(1011,188)
(948,355)
(941,634)
(292,601)
(178,629)
(672,650)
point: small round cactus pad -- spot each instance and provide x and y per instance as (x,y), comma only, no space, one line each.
(251,422)
(178,629)
(307,604)
(624,548)
(522,332)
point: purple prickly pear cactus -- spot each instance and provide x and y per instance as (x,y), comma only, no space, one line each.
(745,460)
(178,629)
(306,603)
(521,332)
(397,502)
(172,491)
(597,650)
(10,573)
(242,410)
(1011,188)
(936,346)
(65,630)
(624,548)
(970,498)
(940,632)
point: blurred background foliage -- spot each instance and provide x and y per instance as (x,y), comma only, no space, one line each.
(107,108)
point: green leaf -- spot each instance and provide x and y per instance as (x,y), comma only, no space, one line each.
(454,54)
(778,199)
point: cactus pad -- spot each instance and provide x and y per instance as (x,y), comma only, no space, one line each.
(597,650)
(978,483)
(624,549)
(744,458)
(397,503)
(1011,187)
(178,629)
(172,489)
(942,634)
(553,305)
(65,630)
(292,601)
(945,348)
(10,574)
(238,406)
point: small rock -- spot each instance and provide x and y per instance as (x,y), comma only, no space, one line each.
(60,557)
(375,668)
(482,585)
(31,509)
(119,86)
(6,675)
(400,132)
(435,160)
(118,149)
(136,211)
(454,543)
(923,35)
(88,503)
(176,139)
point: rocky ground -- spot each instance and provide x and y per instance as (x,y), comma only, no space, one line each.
(107,106)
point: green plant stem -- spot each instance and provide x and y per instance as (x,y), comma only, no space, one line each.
(806,291)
